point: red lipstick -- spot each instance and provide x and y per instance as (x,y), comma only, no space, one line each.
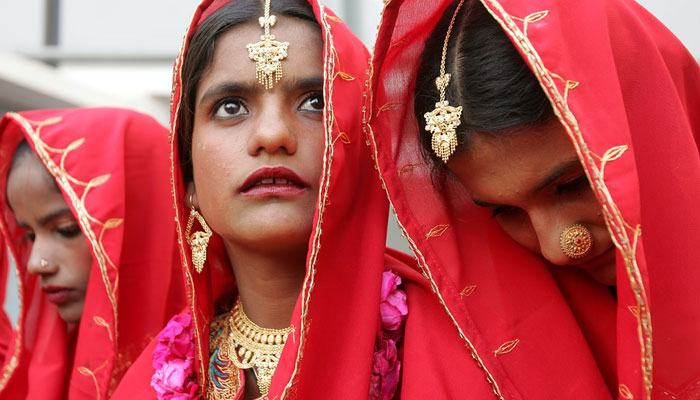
(273,182)
(58,295)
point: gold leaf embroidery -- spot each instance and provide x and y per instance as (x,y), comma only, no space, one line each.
(536,16)
(113,223)
(625,392)
(438,230)
(634,310)
(507,347)
(74,145)
(346,77)
(572,84)
(392,105)
(101,322)
(398,44)
(467,291)
(408,168)
(97,181)
(334,18)
(611,154)
(343,138)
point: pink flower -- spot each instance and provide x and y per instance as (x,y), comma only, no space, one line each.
(392,307)
(173,360)
(386,370)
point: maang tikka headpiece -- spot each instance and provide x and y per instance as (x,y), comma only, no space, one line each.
(443,121)
(268,53)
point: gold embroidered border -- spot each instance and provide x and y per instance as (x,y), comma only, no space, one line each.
(422,263)
(613,216)
(174,172)
(329,75)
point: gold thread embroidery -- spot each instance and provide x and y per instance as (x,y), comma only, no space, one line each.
(467,291)
(408,168)
(344,76)
(342,137)
(534,17)
(625,392)
(334,18)
(398,44)
(392,105)
(506,347)
(437,231)
(99,321)
(634,310)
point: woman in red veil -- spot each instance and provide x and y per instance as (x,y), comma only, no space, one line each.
(107,168)
(573,282)
(240,123)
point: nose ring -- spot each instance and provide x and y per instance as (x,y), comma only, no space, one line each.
(576,241)
(44,263)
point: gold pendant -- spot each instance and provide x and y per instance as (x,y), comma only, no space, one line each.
(268,53)
(443,121)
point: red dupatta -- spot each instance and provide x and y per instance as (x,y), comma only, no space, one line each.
(505,324)
(110,165)
(335,321)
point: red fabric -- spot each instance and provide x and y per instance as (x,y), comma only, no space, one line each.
(615,77)
(126,215)
(335,320)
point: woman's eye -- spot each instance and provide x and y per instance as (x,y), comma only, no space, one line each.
(70,231)
(30,236)
(313,103)
(229,108)
(574,185)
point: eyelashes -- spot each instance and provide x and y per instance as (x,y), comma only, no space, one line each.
(574,185)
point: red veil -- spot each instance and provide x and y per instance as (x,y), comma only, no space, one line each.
(506,324)
(335,321)
(111,166)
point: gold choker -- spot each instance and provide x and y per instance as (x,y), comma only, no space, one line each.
(256,347)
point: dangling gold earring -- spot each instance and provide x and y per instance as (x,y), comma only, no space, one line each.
(443,121)
(199,240)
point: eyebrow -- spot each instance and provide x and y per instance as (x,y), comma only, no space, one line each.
(559,171)
(227,88)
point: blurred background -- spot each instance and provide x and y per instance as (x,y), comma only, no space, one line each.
(68,53)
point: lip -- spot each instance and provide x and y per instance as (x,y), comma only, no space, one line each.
(273,181)
(59,295)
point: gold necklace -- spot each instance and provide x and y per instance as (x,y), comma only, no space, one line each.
(258,348)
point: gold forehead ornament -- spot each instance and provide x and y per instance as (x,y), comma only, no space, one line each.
(268,53)
(443,121)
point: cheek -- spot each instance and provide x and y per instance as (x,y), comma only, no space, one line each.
(80,261)
(216,162)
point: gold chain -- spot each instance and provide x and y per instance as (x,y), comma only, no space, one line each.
(256,347)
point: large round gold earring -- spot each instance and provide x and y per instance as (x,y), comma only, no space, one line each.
(198,240)
(576,241)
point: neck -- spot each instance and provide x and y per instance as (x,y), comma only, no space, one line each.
(268,283)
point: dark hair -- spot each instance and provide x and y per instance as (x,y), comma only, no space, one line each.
(200,53)
(490,80)
(21,150)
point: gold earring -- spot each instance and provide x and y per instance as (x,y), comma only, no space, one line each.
(443,121)
(576,241)
(199,240)
(43,263)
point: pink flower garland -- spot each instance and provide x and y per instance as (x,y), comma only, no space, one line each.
(386,366)
(173,360)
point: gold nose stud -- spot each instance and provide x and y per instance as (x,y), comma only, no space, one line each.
(43,263)
(576,241)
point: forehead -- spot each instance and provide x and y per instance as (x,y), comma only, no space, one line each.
(30,186)
(231,61)
(495,164)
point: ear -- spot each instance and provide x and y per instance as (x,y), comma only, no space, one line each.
(190,199)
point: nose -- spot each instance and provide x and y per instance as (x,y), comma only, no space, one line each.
(273,128)
(40,261)
(548,226)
